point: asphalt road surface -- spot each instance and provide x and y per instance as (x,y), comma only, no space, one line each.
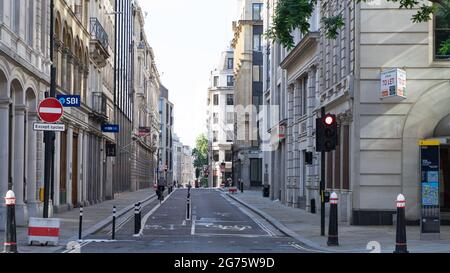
(217,224)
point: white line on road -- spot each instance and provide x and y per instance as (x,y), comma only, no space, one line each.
(184,223)
(299,247)
(171,227)
(193,225)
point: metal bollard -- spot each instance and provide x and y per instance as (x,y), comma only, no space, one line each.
(400,240)
(188,209)
(140,215)
(242,187)
(333,227)
(136,219)
(114,224)
(10,245)
(80,226)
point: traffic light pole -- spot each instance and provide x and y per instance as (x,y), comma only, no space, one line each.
(322,186)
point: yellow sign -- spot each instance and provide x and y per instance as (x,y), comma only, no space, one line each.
(430,142)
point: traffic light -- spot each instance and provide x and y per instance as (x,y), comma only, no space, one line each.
(326,133)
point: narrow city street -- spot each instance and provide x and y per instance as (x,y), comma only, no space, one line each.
(218,225)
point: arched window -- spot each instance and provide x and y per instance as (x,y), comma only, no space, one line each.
(2,10)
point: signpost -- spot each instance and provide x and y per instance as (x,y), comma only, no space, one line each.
(47,127)
(430,210)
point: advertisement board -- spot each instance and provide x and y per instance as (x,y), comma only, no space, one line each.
(393,83)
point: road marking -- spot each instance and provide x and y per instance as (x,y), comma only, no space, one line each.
(299,247)
(193,226)
(144,220)
(171,227)
(184,223)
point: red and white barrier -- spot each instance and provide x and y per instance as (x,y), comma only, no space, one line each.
(43,231)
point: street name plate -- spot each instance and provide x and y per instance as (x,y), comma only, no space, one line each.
(58,127)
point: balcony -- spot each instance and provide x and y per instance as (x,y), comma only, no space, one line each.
(99,110)
(99,43)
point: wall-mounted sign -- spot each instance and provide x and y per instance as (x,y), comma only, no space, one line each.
(393,83)
(429,166)
(281,132)
(69,101)
(110,128)
(144,131)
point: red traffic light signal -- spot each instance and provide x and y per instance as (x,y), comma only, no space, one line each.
(326,133)
(329,119)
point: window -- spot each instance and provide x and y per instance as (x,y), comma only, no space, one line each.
(216,81)
(215,118)
(230,136)
(215,136)
(16,25)
(230,81)
(228,156)
(257,42)
(230,118)
(257,73)
(216,99)
(230,99)
(441,33)
(1,13)
(257,8)
(230,63)
(304,95)
(216,156)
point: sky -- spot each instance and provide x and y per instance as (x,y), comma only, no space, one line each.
(188,37)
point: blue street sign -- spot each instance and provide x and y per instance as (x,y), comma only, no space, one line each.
(110,128)
(69,101)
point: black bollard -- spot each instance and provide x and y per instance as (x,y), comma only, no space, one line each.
(313,206)
(80,226)
(136,219)
(114,224)
(140,215)
(242,187)
(188,209)
(400,241)
(333,227)
(10,235)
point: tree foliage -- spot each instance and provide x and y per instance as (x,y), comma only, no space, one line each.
(295,14)
(200,152)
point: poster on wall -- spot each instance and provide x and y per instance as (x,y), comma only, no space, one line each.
(393,83)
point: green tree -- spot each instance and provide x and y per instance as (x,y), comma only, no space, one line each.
(295,14)
(200,152)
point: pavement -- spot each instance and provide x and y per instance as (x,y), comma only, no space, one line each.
(305,227)
(95,218)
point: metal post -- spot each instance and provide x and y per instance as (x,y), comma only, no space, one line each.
(322,187)
(400,240)
(49,137)
(80,227)
(114,224)
(10,245)
(136,219)
(188,208)
(333,227)
(140,215)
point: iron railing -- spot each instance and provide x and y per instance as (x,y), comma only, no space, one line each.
(99,33)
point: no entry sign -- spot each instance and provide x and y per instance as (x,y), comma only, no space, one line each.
(50,110)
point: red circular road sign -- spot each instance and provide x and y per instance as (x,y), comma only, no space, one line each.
(50,110)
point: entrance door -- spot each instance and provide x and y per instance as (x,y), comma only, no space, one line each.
(75,170)
(445,178)
(256,172)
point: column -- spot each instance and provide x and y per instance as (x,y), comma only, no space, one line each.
(32,203)
(85,168)
(64,68)
(19,160)
(85,81)
(80,167)
(69,166)
(69,76)
(57,171)
(4,142)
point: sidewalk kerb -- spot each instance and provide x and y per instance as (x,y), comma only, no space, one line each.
(281,227)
